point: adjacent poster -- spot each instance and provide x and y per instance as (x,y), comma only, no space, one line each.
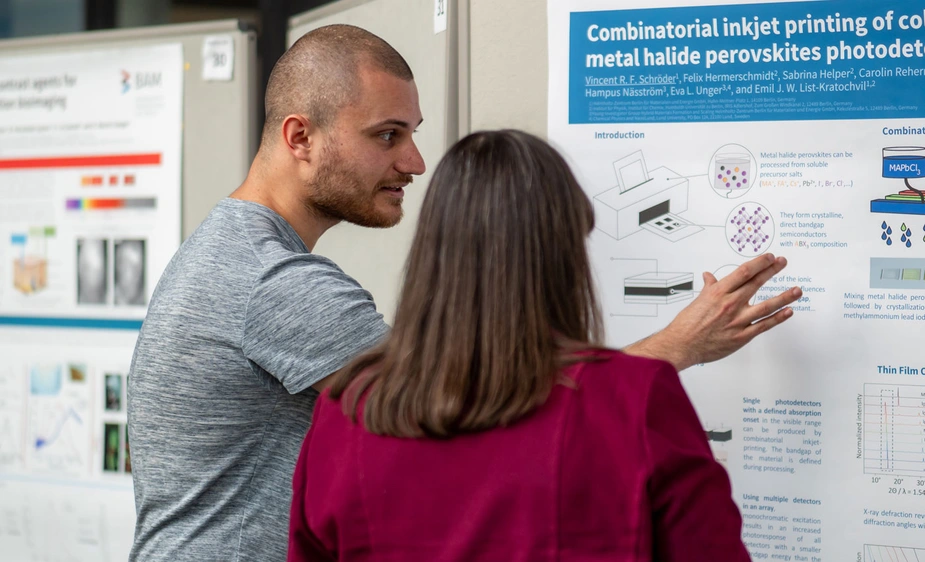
(706,135)
(90,147)
(89,179)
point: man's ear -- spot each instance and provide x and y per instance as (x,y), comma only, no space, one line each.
(297,133)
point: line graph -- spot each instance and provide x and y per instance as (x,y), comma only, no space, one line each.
(894,429)
(50,439)
(881,553)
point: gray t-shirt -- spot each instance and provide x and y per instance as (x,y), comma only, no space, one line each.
(242,322)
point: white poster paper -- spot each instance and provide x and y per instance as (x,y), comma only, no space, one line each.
(90,147)
(89,179)
(440,8)
(707,135)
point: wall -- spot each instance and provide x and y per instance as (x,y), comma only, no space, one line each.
(508,65)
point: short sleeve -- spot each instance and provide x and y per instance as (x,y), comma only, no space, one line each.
(306,319)
(694,518)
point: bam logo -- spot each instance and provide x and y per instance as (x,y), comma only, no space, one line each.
(147,80)
(142,80)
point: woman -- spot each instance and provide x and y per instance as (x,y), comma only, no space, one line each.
(490,425)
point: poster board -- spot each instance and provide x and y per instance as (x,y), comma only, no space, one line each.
(108,158)
(708,134)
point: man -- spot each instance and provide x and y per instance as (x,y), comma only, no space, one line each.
(246,323)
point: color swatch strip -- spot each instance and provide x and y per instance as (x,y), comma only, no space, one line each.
(103,204)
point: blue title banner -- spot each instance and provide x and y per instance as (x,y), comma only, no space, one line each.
(834,59)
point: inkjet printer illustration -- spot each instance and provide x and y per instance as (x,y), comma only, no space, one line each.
(905,163)
(644,201)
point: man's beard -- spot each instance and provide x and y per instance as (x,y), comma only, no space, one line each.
(337,193)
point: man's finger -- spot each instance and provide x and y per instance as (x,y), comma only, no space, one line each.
(708,279)
(766,308)
(745,272)
(767,323)
(748,290)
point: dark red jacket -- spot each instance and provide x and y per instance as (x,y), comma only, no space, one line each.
(616,469)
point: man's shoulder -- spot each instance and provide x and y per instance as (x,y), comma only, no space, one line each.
(214,267)
(236,238)
(248,228)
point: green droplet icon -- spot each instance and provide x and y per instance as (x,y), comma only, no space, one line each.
(903,227)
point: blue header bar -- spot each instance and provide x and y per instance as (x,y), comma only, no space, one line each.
(830,59)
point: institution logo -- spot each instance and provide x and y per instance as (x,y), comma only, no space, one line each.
(141,80)
(147,80)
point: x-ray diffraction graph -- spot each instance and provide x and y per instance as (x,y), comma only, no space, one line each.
(749,229)
(883,553)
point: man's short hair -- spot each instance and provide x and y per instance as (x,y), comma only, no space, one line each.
(319,74)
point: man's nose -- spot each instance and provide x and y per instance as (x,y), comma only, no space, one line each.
(412,162)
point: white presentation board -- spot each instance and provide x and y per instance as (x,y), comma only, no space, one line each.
(90,180)
(107,158)
(709,134)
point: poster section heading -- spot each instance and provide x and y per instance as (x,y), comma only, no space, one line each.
(748,62)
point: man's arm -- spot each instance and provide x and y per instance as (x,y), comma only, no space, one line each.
(306,319)
(720,321)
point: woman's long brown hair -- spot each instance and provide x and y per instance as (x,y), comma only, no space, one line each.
(497,290)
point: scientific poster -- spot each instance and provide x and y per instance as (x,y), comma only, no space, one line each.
(90,147)
(706,135)
(65,462)
(90,180)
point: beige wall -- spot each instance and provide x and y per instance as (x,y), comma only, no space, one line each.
(508,65)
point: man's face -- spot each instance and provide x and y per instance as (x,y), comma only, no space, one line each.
(368,154)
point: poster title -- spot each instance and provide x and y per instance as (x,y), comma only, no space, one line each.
(39,93)
(791,40)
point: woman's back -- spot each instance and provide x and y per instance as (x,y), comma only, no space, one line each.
(616,468)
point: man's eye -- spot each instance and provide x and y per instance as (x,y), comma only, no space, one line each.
(387,136)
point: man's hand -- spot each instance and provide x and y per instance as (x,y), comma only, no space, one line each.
(720,321)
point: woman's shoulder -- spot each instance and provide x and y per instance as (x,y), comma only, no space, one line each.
(329,412)
(607,359)
(603,367)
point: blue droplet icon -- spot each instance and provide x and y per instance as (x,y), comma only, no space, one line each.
(883,226)
(889,231)
(883,236)
(908,243)
(889,241)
